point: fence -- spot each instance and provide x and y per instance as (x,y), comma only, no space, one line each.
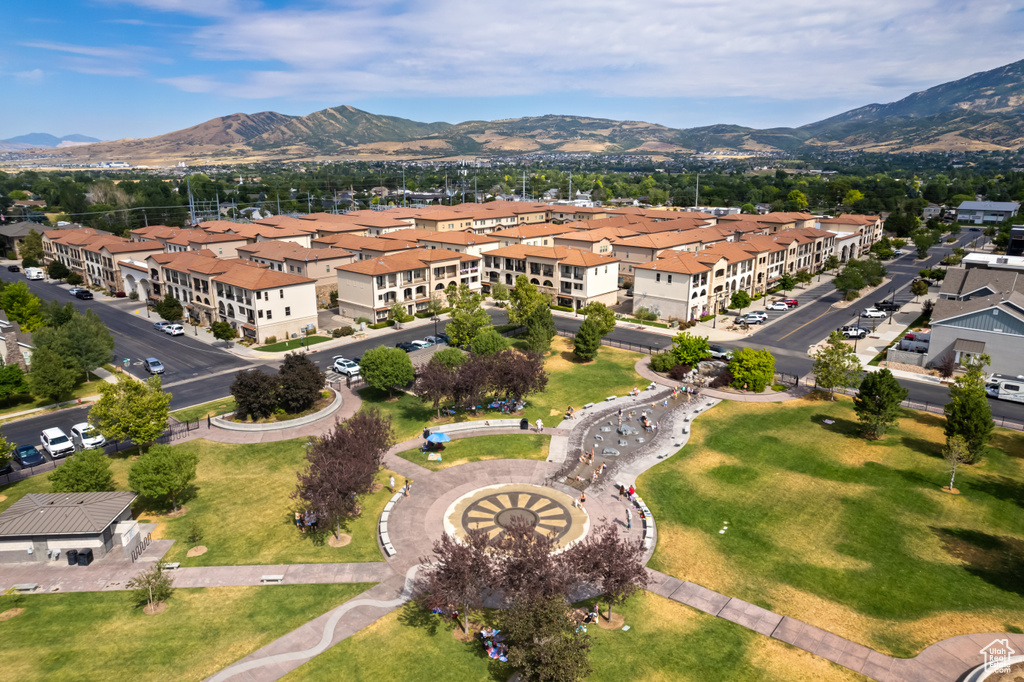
(625,345)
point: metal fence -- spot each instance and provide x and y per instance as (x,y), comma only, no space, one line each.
(626,345)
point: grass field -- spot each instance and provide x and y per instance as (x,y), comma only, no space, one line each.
(569,383)
(850,535)
(292,344)
(479,448)
(101,635)
(242,503)
(210,409)
(25,401)
(666,641)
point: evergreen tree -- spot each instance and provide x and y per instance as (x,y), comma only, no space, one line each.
(588,340)
(51,377)
(877,403)
(968,414)
(540,329)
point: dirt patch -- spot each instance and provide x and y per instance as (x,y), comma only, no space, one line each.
(198,550)
(951,491)
(2,498)
(180,511)
(10,613)
(334,541)
(376,487)
(617,621)
(154,608)
(467,637)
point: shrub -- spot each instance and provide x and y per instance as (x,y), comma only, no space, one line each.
(363,320)
(12,256)
(663,362)
(270,340)
(645,315)
(724,378)
(382,325)
(679,372)
(564,309)
(344,331)
(133,296)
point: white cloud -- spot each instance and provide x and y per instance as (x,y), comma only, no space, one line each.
(32,75)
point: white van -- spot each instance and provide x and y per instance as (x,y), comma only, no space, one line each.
(34,273)
(1004,387)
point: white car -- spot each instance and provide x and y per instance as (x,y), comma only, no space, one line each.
(174,329)
(897,253)
(873,312)
(346,367)
(420,344)
(85,437)
(778,305)
(56,443)
(74,290)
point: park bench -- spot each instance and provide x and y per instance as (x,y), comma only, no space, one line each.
(26,587)
(171,566)
(272,579)
(389,549)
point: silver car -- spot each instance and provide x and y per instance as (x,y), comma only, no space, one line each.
(86,437)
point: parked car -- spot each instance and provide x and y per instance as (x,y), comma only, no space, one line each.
(346,367)
(434,340)
(6,469)
(174,329)
(755,317)
(445,339)
(925,280)
(161,325)
(74,291)
(84,436)
(852,331)
(719,352)
(56,443)
(84,294)
(153,366)
(13,268)
(28,456)
(407,347)
(872,312)
(629,292)
(888,305)
(778,305)
(421,344)
(791,302)
(897,253)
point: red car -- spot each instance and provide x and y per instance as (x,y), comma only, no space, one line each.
(791,302)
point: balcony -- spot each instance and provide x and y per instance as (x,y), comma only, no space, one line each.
(469,271)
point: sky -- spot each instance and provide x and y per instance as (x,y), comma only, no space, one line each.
(113,69)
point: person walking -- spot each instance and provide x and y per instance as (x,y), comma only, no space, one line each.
(540,425)
(408,487)
(583,500)
(391,484)
(629,520)
(622,491)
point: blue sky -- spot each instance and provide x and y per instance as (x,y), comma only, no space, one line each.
(136,68)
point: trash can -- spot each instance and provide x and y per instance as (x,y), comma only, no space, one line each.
(85,556)
(524,424)
(72,557)
(426,433)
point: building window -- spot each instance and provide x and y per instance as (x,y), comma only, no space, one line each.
(670,279)
(270,314)
(261,314)
(280,293)
(287,311)
(657,277)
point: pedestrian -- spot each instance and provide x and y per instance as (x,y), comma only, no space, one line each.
(298,522)
(583,500)
(632,493)
(629,520)
(391,484)
(540,425)
(622,491)
(408,487)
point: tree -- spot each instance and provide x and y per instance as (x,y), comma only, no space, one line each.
(131,410)
(849,282)
(804,277)
(435,306)
(87,471)
(255,393)
(341,465)
(831,263)
(386,368)
(169,309)
(740,300)
(164,472)
(798,198)
(786,282)
(488,342)
(955,453)
(588,340)
(435,382)
(467,317)
(152,586)
(12,382)
(22,306)
(545,643)
(5,452)
(946,364)
(524,299)
(83,341)
(877,402)
(689,349)
(518,374)
(74,279)
(223,331)
(449,357)
(499,292)
(749,209)
(751,369)
(835,365)
(614,564)
(923,240)
(51,377)
(57,270)
(398,313)
(602,314)
(32,246)
(300,382)
(967,412)
(919,288)
(540,329)
(458,573)
(57,315)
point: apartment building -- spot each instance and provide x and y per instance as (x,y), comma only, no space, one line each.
(441,220)
(644,248)
(364,247)
(866,229)
(573,277)
(542,234)
(675,286)
(316,264)
(369,287)
(66,246)
(100,260)
(597,241)
(459,242)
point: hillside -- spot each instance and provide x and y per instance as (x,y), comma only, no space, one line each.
(981,111)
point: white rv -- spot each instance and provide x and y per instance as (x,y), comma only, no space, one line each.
(34,273)
(1005,387)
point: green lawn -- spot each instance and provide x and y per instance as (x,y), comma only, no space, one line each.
(292,344)
(243,504)
(569,383)
(100,635)
(478,448)
(850,535)
(210,409)
(666,641)
(25,401)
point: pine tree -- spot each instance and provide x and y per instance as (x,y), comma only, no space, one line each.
(877,403)
(588,340)
(835,365)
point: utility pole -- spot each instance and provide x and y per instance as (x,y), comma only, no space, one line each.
(696,196)
(570,185)
(524,186)
(217,214)
(403,186)
(278,204)
(191,205)
(476,196)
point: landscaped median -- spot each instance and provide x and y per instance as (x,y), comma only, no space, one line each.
(480,448)
(853,536)
(329,403)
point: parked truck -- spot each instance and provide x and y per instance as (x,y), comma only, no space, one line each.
(34,273)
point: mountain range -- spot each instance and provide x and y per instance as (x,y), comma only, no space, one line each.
(979,112)
(44,140)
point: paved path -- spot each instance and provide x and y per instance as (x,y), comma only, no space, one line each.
(643,368)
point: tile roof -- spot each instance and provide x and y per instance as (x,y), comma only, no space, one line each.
(531,231)
(354,242)
(563,254)
(406,260)
(682,262)
(254,277)
(278,250)
(662,240)
(63,513)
